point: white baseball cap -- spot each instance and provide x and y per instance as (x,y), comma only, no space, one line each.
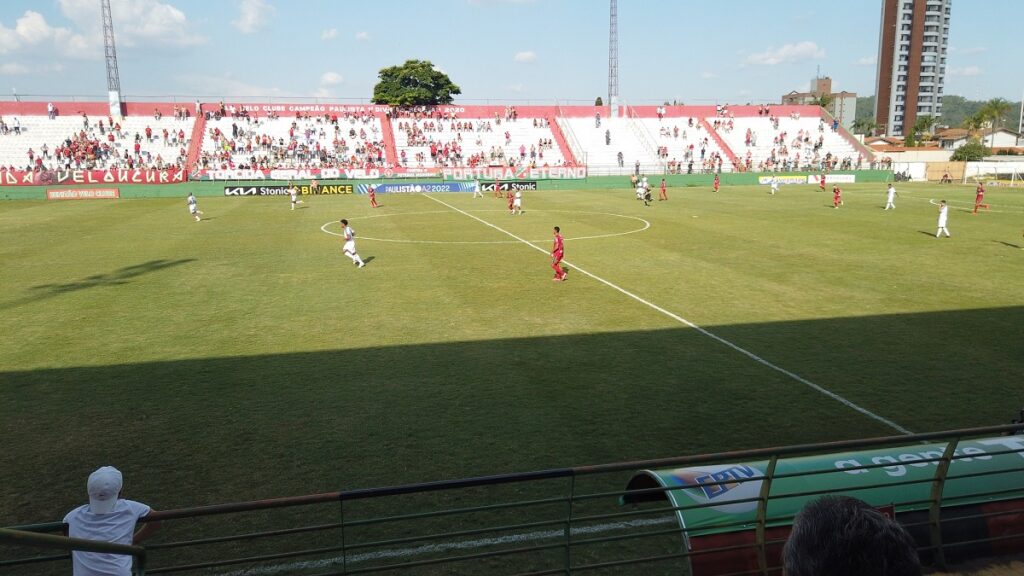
(104,486)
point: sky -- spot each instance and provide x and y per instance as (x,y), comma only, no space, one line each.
(695,52)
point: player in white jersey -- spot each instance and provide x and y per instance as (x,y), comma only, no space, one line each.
(193,208)
(477,191)
(350,244)
(775,185)
(943,217)
(517,203)
(293,191)
(890,196)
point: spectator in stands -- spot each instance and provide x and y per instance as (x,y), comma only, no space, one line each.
(843,536)
(597,120)
(607,137)
(620,159)
(108,518)
(51,112)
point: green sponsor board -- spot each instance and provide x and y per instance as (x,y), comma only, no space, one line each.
(721,498)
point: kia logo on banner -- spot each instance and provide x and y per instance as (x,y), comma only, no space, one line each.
(240,191)
(256,190)
(508,186)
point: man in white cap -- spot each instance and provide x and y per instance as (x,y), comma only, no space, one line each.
(110,519)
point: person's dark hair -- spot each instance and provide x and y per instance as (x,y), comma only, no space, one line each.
(344,222)
(843,536)
(557,229)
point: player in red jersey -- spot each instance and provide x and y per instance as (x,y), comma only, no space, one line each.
(557,252)
(717,183)
(372,191)
(314,187)
(497,188)
(511,202)
(662,195)
(837,196)
(821,182)
(979,198)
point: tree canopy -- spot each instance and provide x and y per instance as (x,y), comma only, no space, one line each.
(970,152)
(415,83)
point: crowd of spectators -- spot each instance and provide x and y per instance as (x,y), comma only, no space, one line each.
(353,140)
(103,144)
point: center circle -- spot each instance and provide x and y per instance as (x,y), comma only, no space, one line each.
(645,226)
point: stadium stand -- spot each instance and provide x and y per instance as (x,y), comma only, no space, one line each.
(241,140)
(662,139)
(603,144)
(771,143)
(465,140)
(85,142)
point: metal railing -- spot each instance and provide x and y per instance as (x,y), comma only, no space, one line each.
(37,540)
(644,136)
(558,521)
(570,136)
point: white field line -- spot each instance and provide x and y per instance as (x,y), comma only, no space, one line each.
(293,567)
(689,324)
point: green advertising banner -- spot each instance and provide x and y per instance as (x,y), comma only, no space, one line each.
(723,498)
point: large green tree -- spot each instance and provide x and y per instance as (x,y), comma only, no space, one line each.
(415,83)
(994,110)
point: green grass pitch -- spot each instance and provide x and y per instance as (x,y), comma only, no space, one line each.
(245,357)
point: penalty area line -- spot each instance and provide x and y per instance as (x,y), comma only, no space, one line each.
(820,389)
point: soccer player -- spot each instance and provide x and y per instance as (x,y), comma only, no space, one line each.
(890,195)
(662,195)
(837,196)
(557,252)
(718,182)
(821,182)
(979,198)
(517,203)
(293,191)
(314,187)
(193,208)
(511,202)
(775,185)
(372,192)
(478,191)
(497,188)
(943,217)
(349,249)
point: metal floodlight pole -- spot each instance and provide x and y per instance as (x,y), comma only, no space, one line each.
(113,80)
(613,53)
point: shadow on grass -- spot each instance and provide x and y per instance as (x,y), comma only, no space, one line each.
(207,430)
(115,278)
(1009,244)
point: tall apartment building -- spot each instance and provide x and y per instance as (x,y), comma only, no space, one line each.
(911,62)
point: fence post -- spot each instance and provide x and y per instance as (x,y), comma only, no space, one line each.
(762,515)
(344,552)
(568,525)
(935,509)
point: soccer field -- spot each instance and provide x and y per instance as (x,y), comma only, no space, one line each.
(245,357)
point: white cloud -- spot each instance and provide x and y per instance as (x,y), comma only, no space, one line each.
(975,50)
(966,71)
(31,31)
(331,79)
(329,34)
(136,23)
(789,53)
(362,36)
(13,69)
(525,56)
(867,61)
(708,75)
(253,16)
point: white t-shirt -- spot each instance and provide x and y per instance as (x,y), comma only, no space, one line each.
(943,215)
(892,193)
(117,527)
